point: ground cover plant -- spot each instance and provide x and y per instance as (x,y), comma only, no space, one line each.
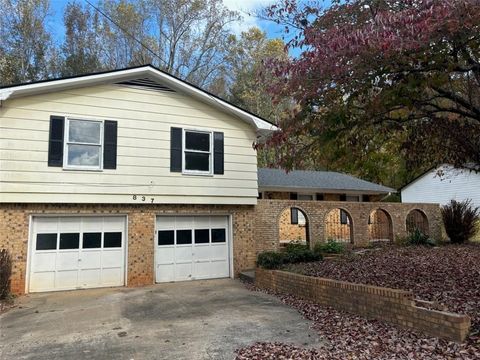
(292,254)
(449,275)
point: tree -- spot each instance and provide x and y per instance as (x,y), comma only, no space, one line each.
(190,37)
(374,73)
(25,44)
(82,48)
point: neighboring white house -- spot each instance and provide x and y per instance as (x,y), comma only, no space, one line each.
(442,184)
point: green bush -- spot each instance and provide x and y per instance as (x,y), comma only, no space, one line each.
(5,272)
(296,253)
(419,238)
(460,220)
(270,260)
(330,247)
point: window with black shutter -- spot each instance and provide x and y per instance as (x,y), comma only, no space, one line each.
(196,152)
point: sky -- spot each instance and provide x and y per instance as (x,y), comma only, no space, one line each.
(244,7)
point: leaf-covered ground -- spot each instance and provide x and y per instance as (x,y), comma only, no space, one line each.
(447,274)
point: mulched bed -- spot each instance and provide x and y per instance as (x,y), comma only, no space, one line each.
(449,275)
(353,337)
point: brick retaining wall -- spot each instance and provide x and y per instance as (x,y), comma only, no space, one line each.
(391,305)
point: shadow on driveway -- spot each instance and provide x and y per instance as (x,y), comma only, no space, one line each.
(190,320)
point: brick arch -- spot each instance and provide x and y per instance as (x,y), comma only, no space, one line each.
(417,219)
(279,220)
(336,227)
(380,225)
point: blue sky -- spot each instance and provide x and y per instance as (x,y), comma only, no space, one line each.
(244,7)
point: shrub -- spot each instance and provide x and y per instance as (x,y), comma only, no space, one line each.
(5,272)
(296,253)
(419,238)
(460,220)
(270,260)
(330,247)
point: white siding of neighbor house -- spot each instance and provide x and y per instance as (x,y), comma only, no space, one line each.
(456,184)
(143,160)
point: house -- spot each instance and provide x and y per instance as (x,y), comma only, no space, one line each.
(442,184)
(317,186)
(127,177)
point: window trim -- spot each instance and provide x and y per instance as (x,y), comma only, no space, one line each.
(67,142)
(185,150)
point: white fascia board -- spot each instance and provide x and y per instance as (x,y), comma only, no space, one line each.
(115,76)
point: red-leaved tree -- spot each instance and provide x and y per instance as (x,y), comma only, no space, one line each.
(377,72)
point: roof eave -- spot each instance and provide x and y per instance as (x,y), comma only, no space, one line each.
(119,75)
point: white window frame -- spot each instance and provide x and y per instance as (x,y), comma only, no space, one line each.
(67,142)
(210,153)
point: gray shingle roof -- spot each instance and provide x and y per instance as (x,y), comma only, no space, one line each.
(316,180)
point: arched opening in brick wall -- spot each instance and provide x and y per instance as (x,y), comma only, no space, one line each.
(380,226)
(293,226)
(339,226)
(417,220)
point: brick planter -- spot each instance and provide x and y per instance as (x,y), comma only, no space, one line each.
(395,306)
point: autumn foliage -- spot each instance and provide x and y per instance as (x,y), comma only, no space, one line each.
(375,70)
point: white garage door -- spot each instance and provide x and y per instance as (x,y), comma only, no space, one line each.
(191,248)
(77,252)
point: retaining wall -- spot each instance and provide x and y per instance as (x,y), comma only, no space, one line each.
(395,306)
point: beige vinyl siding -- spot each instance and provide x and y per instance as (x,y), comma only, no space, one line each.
(143,155)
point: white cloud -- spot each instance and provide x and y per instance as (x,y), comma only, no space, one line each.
(246,7)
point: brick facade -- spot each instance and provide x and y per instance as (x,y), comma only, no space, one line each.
(255,228)
(291,232)
(268,214)
(391,305)
(14,232)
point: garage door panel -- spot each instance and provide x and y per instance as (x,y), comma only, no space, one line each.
(90,278)
(91,260)
(219,268)
(66,279)
(202,270)
(69,224)
(67,260)
(183,254)
(44,261)
(42,281)
(166,255)
(46,224)
(112,258)
(183,271)
(184,222)
(165,272)
(77,252)
(112,276)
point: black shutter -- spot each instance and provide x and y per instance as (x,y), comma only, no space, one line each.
(293,196)
(175,149)
(55,141)
(218,144)
(294,216)
(343,197)
(343,217)
(110,145)
(320,197)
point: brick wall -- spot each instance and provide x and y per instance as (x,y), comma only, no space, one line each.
(394,306)
(268,214)
(291,232)
(14,227)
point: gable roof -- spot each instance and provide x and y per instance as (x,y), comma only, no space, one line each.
(316,181)
(145,71)
(468,166)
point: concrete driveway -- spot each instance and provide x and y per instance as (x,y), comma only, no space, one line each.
(191,320)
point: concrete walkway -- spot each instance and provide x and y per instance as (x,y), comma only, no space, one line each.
(190,320)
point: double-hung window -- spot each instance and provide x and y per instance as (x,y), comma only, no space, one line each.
(83,145)
(197,152)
